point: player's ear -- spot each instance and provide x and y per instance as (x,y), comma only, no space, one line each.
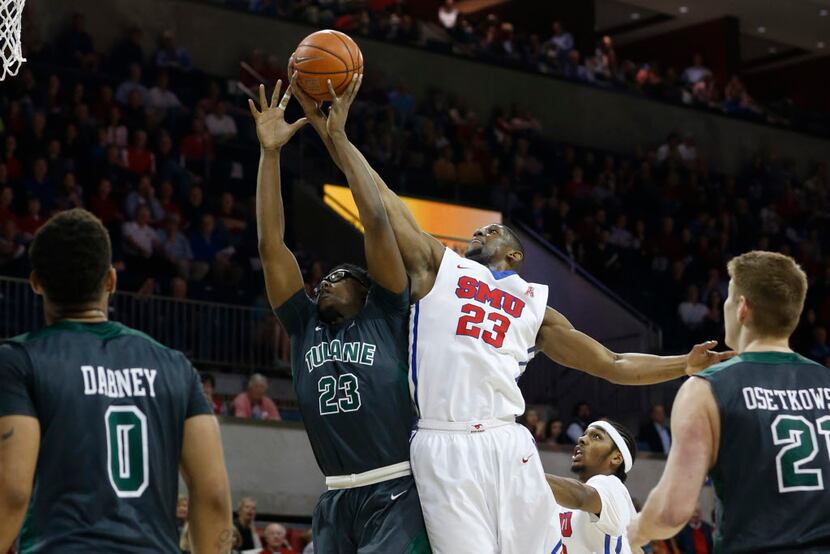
(34,282)
(515,257)
(617,459)
(743,309)
(110,280)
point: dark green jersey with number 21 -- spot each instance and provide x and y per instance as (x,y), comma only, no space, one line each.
(772,477)
(112,404)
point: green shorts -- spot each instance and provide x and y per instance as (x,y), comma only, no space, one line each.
(384,518)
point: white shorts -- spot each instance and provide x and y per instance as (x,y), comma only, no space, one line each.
(483,489)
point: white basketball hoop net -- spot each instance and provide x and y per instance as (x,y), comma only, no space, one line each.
(11,16)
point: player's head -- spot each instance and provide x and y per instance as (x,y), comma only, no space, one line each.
(275,536)
(496,245)
(246,510)
(71,263)
(208,384)
(182,507)
(342,292)
(605,448)
(766,297)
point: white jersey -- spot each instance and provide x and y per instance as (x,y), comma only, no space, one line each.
(585,533)
(470,339)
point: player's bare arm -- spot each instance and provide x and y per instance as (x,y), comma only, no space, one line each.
(421,251)
(203,468)
(695,431)
(567,346)
(573,494)
(19,446)
(282,274)
(382,254)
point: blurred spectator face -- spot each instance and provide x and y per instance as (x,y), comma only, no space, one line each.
(135,100)
(532,417)
(163,80)
(33,207)
(198,126)
(69,182)
(115,116)
(165,143)
(697,61)
(584,412)
(54,149)
(557,28)
(221,109)
(695,519)
(172,224)
(145,186)
(104,188)
(692,294)
(166,192)
(11,145)
(555,429)
(40,169)
(113,155)
(247,512)
(7,196)
(208,224)
(142,215)
(658,414)
(257,389)
(135,72)
(196,196)
(821,335)
(9,230)
(573,56)
(182,507)
(178,288)
(275,535)
(227,202)
(207,387)
(106,94)
(168,40)
(140,139)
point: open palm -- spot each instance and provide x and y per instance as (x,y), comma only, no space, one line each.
(271,128)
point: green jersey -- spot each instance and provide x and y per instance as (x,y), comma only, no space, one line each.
(111,404)
(351,381)
(772,476)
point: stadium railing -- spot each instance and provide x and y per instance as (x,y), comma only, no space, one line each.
(211,334)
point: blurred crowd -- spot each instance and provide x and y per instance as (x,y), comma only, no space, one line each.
(487,37)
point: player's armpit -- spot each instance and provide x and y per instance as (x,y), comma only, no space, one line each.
(204,472)
(19,447)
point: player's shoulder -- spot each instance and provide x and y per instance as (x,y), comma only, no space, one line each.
(727,367)
(12,352)
(606,482)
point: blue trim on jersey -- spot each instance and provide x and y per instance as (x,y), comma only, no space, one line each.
(531,349)
(557,547)
(502,274)
(607,544)
(415,354)
(522,364)
(618,549)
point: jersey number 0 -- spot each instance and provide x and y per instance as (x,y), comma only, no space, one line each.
(127,455)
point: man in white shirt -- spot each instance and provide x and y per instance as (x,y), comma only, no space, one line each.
(448,15)
(220,125)
(596,507)
(161,98)
(696,72)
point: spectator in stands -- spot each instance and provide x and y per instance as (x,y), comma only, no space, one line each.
(176,249)
(12,250)
(231,215)
(140,239)
(128,51)
(220,125)
(696,537)
(116,131)
(573,69)
(582,418)
(32,220)
(555,432)
(448,15)
(696,72)
(655,435)
(137,157)
(182,508)
(562,42)
(688,149)
(275,541)
(819,350)
(209,388)
(76,45)
(6,201)
(39,185)
(104,206)
(244,523)
(132,83)
(196,147)
(534,424)
(169,56)
(692,311)
(443,169)
(670,149)
(167,200)
(144,195)
(70,195)
(253,403)
(195,208)
(161,99)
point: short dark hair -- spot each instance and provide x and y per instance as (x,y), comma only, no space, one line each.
(70,256)
(630,443)
(208,378)
(513,239)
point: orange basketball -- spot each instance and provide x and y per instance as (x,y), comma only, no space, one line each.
(326,55)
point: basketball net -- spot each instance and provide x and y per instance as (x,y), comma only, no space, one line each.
(11,16)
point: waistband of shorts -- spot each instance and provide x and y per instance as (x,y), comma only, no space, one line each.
(371,477)
(475,426)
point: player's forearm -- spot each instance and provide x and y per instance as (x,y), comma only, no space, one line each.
(210,522)
(359,176)
(647,369)
(270,213)
(662,517)
(13,505)
(570,493)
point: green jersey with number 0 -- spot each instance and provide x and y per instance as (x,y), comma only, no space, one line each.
(772,476)
(112,404)
(351,381)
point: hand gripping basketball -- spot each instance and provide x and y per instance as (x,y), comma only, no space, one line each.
(271,128)
(339,109)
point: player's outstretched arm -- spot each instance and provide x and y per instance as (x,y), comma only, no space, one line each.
(19,446)
(567,346)
(282,274)
(210,522)
(574,494)
(421,251)
(695,428)
(382,254)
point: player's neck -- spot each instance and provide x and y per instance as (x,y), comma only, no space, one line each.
(763,344)
(80,314)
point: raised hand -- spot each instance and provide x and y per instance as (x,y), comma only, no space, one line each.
(311,107)
(339,110)
(702,356)
(271,128)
